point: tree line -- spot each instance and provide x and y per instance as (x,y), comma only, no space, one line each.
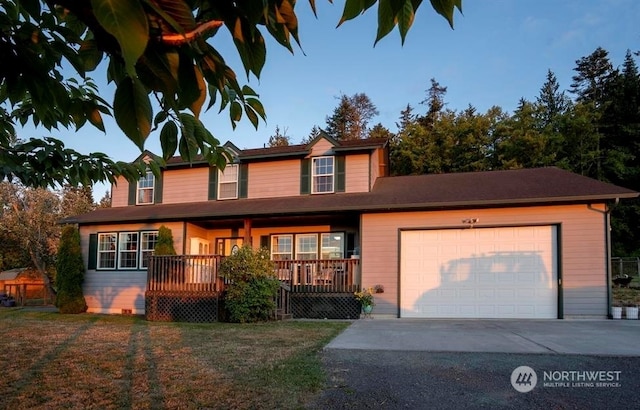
(592,128)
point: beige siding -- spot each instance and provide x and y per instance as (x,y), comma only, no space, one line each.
(375,167)
(274,179)
(582,249)
(110,291)
(185,185)
(321,147)
(120,193)
(357,173)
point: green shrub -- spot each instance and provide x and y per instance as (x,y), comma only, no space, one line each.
(164,245)
(70,273)
(253,285)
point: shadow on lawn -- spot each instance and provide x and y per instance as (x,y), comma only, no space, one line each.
(140,343)
(34,373)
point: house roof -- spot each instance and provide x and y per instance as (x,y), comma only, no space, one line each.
(298,150)
(420,192)
(13,274)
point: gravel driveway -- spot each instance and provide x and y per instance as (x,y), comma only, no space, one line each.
(361,379)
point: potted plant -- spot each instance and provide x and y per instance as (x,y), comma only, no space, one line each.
(631,311)
(365,297)
(616,311)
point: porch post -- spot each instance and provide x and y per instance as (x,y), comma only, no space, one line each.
(247,232)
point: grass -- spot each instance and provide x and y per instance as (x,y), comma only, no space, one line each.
(51,360)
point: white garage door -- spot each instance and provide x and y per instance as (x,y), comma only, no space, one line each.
(479,273)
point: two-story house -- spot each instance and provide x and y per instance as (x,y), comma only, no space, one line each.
(529,243)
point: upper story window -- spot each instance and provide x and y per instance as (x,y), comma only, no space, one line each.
(145,189)
(228,182)
(322,175)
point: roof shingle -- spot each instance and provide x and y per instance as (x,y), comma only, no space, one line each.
(418,192)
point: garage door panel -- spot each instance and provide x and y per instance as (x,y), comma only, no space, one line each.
(480,272)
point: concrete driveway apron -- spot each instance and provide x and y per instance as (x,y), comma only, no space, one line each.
(585,337)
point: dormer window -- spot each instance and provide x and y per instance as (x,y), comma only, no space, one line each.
(228,182)
(145,189)
(322,175)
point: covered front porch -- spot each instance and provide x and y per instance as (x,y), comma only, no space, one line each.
(189,288)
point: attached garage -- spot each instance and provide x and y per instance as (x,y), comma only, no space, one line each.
(529,243)
(491,272)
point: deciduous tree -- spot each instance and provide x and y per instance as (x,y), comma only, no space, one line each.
(161,50)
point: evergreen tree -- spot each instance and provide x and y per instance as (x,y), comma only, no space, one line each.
(593,73)
(70,273)
(434,102)
(551,102)
(351,117)
(313,134)
(164,245)
(380,131)
(279,139)
(76,200)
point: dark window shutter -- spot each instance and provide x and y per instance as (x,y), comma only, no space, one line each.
(213,183)
(265,241)
(93,251)
(243,180)
(157,190)
(133,188)
(305,176)
(340,174)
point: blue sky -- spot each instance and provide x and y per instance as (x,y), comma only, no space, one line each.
(499,52)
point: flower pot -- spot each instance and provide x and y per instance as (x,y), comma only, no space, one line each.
(631,312)
(366,309)
(616,312)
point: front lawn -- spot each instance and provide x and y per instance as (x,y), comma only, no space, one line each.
(51,360)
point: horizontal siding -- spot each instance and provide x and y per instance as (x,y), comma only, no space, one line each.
(274,179)
(110,291)
(374,167)
(582,250)
(185,185)
(120,193)
(357,173)
(322,147)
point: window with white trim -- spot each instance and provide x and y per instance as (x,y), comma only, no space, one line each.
(146,184)
(228,182)
(306,246)
(148,242)
(332,245)
(322,175)
(281,247)
(107,251)
(128,250)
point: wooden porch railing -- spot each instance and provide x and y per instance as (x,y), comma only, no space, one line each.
(328,275)
(184,273)
(200,273)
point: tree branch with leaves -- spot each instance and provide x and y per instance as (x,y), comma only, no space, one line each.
(157,50)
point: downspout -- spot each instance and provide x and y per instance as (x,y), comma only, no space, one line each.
(607,239)
(608,255)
